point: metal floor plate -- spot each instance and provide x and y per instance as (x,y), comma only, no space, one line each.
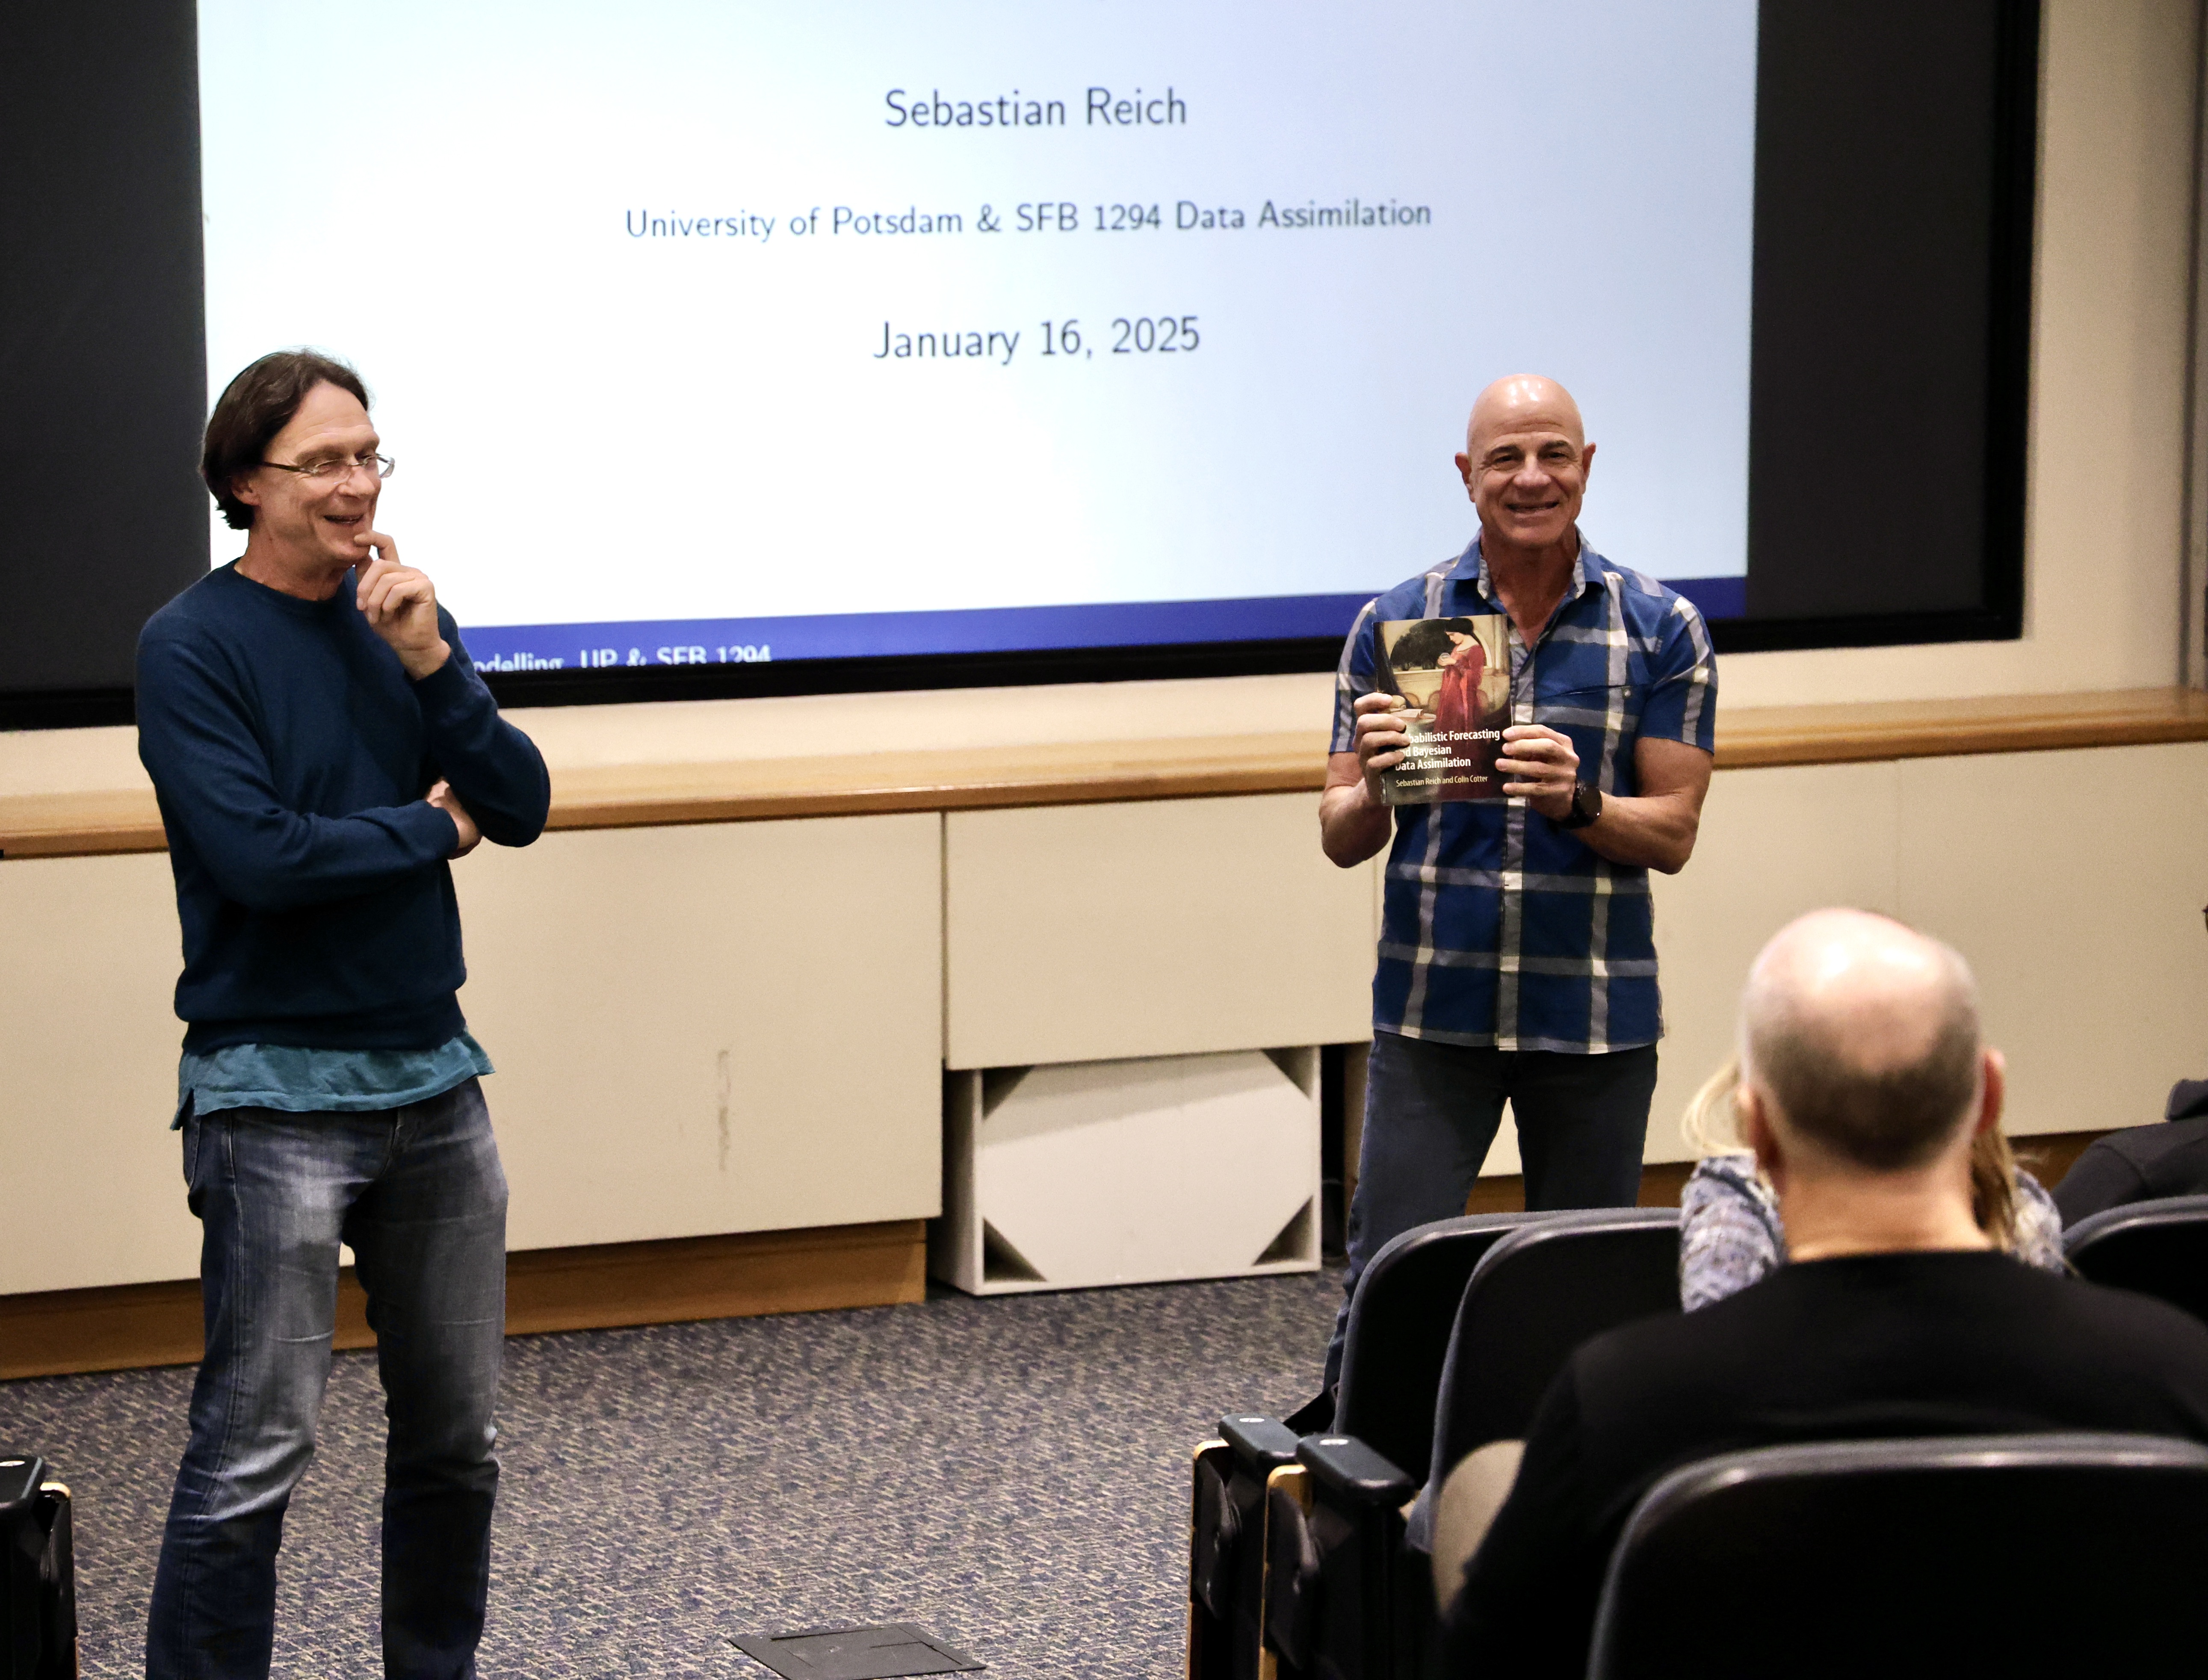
(891,1652)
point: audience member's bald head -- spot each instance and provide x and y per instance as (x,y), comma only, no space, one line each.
(1863,1035)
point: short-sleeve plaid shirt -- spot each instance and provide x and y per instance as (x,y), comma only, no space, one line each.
(1499,928)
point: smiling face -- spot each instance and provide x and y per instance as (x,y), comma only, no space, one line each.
(309,523)
(1526,462)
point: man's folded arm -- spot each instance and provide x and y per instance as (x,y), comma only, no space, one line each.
(496,771)
(214,781)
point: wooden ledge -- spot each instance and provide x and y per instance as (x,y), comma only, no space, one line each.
(1811,735)
(73,824)
(1072,773)
(1089,772)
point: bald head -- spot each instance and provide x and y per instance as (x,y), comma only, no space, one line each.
(1863,1035)
(1525,464)
(1518,404)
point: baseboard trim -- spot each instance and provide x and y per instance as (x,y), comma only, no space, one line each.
(600,1287)
(2046,1155)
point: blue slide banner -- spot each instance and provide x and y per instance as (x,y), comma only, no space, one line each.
(717,641)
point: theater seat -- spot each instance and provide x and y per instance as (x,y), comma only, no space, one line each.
(38,1572)
(1361,1604)
(1398,1332)
(2157,1248)
(1397,1336)
(1536,1297)
(2071,1555)
(1227,1545)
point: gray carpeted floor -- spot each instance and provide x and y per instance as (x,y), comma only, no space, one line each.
(1011,1474)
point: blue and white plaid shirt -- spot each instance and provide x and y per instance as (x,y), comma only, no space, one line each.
(1498,927)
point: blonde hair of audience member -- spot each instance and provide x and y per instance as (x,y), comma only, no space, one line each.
(1711,1125)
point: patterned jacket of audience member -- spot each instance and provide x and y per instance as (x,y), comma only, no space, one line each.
(1731,1235)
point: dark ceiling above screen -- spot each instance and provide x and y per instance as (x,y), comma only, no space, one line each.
(1893,193)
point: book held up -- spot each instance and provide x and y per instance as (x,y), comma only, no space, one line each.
(1454,676)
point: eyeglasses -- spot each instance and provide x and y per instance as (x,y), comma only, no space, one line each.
(337,466)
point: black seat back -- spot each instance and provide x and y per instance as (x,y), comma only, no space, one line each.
(2157,1248)
(1534,1297)
(1907,1557)
(1399,1321)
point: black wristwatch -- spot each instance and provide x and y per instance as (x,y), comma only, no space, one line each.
(1586,806)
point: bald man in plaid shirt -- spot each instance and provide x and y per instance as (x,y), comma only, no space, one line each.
(1517,961)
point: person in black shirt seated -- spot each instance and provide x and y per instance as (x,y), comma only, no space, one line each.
(2143,1162)
(1863,1081)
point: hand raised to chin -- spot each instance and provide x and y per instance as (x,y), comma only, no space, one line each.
(399,604)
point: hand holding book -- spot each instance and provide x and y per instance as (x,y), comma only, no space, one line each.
(1380,739)
(1541,766)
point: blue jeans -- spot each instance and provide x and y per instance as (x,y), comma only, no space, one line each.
(1431,1110)
(418,1195)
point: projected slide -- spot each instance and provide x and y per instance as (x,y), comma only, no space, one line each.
(708,333)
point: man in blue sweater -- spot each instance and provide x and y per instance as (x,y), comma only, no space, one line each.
(322,749)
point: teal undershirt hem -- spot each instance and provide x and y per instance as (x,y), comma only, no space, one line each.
(305,1082)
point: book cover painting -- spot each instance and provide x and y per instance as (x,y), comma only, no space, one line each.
(1453,674)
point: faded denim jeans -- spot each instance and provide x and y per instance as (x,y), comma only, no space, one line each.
(418,1195)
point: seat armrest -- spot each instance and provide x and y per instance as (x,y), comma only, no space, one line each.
(1352,1472)
(21,1473)
(1262,1443)
(1334,1604)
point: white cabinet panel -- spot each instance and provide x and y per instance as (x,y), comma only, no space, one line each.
(726,1027)
(699,1030)
(1086,932)
(1086,1174)
(88,1041)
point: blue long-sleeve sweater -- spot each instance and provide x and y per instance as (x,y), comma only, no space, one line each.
(291,753)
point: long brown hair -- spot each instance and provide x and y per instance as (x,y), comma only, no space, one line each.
(1711,1125)
(252,408)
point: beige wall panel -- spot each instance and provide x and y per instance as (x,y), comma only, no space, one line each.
(1089,931)
(1774,844)
(2073,882)
(731,1027)
(88,1039)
